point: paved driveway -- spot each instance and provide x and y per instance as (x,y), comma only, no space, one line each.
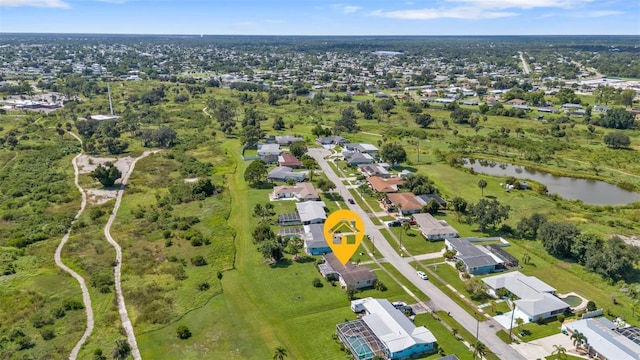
(439,300)
(541,348)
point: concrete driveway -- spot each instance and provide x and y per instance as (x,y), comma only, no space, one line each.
(541,348)
(439,301)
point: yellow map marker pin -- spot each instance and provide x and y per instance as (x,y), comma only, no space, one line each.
(344,231)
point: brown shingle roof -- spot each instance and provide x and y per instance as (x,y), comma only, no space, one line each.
(407,201)
(388,185)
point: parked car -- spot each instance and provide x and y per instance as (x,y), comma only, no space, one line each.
(393,223)
(412,222)
(422,275)
(351,201)
(403,219)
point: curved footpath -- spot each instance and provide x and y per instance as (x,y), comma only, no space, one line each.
(83,286)
(122,309)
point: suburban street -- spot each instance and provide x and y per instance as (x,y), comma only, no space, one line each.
(439,300)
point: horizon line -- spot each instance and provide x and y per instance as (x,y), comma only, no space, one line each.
(2,33)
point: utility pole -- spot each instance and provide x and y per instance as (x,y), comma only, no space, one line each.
(513,311)
(477,333)
(418,150)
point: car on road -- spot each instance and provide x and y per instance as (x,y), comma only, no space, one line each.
(422,275)
(351,201)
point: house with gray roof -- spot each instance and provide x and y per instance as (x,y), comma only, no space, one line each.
(287,140)
(356,158)
(434,229)
(477,260)
(385,332)
(348,274)
(536,299)
(332,140)
(603,339)
(269,150)
(311,212)
(284,173)
(314,240)
(364,148)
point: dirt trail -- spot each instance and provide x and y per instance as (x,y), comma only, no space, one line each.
(122,309)
(83,286)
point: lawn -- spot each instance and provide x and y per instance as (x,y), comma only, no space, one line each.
(446,339)
(415,242)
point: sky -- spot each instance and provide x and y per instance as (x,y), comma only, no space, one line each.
(321,17)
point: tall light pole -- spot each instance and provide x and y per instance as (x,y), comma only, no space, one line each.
(513,312)
(477,333)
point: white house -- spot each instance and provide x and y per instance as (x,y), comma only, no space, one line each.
(269,150)
(311,212)
(603,339)
(434,229)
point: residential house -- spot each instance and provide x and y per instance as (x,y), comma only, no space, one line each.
(385,332)
(302,192)
(378,170)
(571,107)
(311,212)
(314,240)
(434,229)
(357,158)
(269,150)
(519,102)
(406,203)
(290,219)
(547,109)
(603,339)
(536,299)
(287,140)
(425,198)
(364,148)
(289,160)
(332,140)
(349,274)
(601,109)
(385,185)
(284,173)
(477,260)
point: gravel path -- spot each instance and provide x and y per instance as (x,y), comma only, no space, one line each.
(122,309)
(83,286)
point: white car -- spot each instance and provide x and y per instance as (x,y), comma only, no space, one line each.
(422,275)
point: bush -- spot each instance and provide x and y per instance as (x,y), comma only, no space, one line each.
(591,306)
(198,261)
(560,318)
(183,332)
(379,285)
(317,283)
(47,334)
(203,286)
(59,313)
(40,320)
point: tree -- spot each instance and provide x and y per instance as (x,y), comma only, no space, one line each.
(578,338)
(617,140)
(393,153)
(479,350)
(367,110)
(526,258)
(431,207)
(560,352)
(351,292)
(256,172)
(419,184)
(488,213)
(326,185)
(557,237)
(106,175)
(347,121)
(121,350)
(528,226)
(249,135)
(459,205)
(278,123)
(424,120)
(627,96)
(617,118)
(519,322)
(183,332)
(298,149)
(482,184)
(164,137)
(591,306)
(280,353)
(263,233)
(460,116)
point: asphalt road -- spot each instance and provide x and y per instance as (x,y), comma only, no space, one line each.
(439,300)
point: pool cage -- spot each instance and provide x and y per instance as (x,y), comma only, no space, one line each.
(360,340)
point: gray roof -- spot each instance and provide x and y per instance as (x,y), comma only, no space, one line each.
(287,139)
(473,256)
(432,226)
(392,327)
(311,210)
(269,148)
(314,236)
(284,173)
(535,295)
(602,338)
(359,157)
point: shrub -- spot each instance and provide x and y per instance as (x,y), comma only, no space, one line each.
(317,283)
(183,332)
(71,304)
(560,318)
(47,334)
(40,320)
(540,321)
(198,261)
(379,285)
(203,286)
(59,313)
(591,306)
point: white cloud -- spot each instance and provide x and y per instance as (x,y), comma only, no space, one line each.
(35,3)
(522,4)
(461,12)
(601,13)
(346,9)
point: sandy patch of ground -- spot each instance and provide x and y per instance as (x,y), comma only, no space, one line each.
(87,164)
(631,240)
(191,180)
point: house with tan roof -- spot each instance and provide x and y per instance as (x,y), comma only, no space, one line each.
(287,159)
(350,274)
(301,192)
(434,229)
(385,185)
(405,202)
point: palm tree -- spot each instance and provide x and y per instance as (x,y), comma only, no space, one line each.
(482,184)
(280,353)
(560,352)
(578,338)
(406,226)
(519,322)
(479,350)
(526,258)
